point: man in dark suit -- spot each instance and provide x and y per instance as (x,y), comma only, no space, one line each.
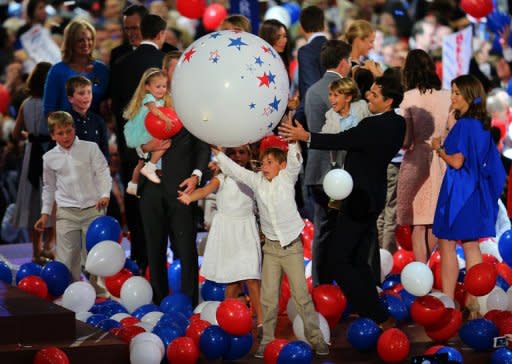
(371,145)
(126,74)
(335,58)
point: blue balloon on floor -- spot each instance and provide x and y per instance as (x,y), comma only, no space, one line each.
(363,334)
(478,334)
(132,266)
(176,318)
(96,318)
(28,269)
(144,309)
(395,307)
(505,247)
(454,356)
(5,273)
(391,281)
(213,342)
(295,352)
(108,324)
(57,277)
(166,333)
(502,356)
(174,276)
(407,298)
(177,302)
(102,228)
(238,346)
(211,291)
(500,282)
(112,309)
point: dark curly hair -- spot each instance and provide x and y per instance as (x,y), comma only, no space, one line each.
(420,72)
(473,92)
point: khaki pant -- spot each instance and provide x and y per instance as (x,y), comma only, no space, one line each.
(289,260)
(386,223)
(71,225)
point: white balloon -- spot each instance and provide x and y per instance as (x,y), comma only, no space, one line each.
(145,353)
(152,317)
(509,298)
(83,316)
(79,297)
(209,312)
(148,326)
(298,328)
(386,263)
(119,316)
(497,299)
(291,310)
(135,292)
(200,306)
(447,301)
(490,247)
(148,337)
(338,184)
(230,88)
(105,259)
(308,269)
(417,279)
(279,13)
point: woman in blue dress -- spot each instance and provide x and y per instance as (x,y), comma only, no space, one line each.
(467,207)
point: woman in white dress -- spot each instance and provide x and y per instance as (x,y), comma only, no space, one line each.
(233,250)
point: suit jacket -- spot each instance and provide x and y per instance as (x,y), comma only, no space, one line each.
(371,145)
(126,48)
(316,105)
(310,70)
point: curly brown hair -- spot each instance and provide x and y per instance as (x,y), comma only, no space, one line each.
(420,72)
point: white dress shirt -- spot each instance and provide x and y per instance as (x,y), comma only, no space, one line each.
(279,216)
(75,177)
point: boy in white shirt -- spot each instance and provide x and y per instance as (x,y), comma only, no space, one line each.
(76,176)
(274,189)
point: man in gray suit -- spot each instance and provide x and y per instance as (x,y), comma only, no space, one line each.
(335,59)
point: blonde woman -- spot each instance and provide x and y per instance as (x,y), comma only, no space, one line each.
(360,35)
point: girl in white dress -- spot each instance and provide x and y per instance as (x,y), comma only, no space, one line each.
(233,250)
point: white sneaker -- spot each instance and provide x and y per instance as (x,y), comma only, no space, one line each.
(131,189)
(150,173)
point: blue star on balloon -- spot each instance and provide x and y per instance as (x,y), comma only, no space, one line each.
(258,61)
(275,104)
(236,42)
(215,35)
(272,53)
(271,77)
(215,60)
(270,125)
(252,105)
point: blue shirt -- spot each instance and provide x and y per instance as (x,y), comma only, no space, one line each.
(92,128)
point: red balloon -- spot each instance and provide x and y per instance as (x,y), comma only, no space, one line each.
(272,350)
(34,285)
(129,321)
(273,141)
(195,317)
(182,350)
(156,126)
(434,259)
(491,259)
(505,272)
(115,282)
(127,333)
(502,318)
(329,300)
(447,326)
(438,278)
(492,315)
(213,16)
(393,346)
(432,350)
(505,326)
(51,355)
(400,259)
(285,294)
(460,294)
(477,8)
(480,279)
(234,317)
(195,329)
(427,310)
(192,9)
(403,237)
(396,289)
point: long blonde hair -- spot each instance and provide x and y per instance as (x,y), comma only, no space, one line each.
(136,102)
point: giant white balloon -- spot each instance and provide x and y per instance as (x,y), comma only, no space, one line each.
(135,292)
(79,297)
(105,259)
(338,184)
(230,88)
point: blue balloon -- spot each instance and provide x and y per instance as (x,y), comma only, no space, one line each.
(57,277)
(497,21)
(462,275)
(112,309)
(96,318)
(28,269)
(505,247)
(213,342)
(478,334)
(211,291)
(5,273)
(407,298)
(391,281)
(395,307)
(174,276)
(294,10)
(460,252)
(502,356)
(144,309)
(166,333)
(108,324)
(178,302)
(132,267)
(238,346)
(102,228)
(176,318)
(363,334)
(295,352)
(509,88)
(454,356)
(500,282)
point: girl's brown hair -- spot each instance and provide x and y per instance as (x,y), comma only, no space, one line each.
(473,92)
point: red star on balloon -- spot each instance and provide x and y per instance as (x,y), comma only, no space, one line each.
(189,54)
(265,49)
(263,80)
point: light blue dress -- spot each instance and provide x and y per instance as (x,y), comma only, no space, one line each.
(135,131)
